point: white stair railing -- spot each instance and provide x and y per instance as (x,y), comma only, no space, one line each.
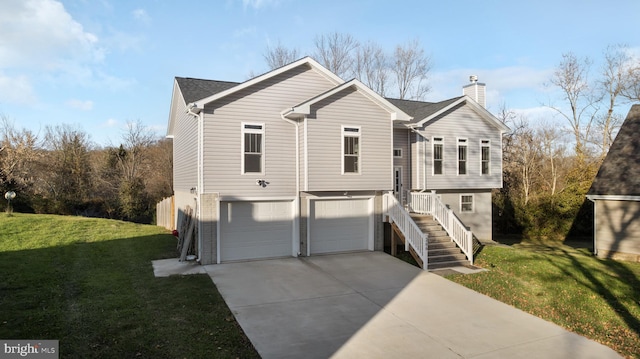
(413,235)
(429,203)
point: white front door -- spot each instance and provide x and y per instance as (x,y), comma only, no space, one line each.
(397,183)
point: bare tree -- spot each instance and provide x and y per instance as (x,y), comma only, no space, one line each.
(335,51)
(632,83)
(612,85)
(552,149)
(68,168)
(279,56)
(129,159)
(371,66)
(19,151)
(411,68)
(571,77)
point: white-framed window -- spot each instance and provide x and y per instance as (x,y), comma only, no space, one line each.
(466,203)
(350,149)
(485,157)
(438,155)
(252,148)
(397,152)
(462,156)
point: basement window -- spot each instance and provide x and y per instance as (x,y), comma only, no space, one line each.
(466,203)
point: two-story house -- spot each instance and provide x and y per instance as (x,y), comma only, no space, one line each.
(454,148)
(297,161)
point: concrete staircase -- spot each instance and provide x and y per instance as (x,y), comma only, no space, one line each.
(443,252)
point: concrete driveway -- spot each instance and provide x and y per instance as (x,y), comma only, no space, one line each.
(371,305)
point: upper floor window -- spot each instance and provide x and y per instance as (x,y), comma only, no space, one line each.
(466,203)
(350,149)
(252,148)
(397,153)
(485,157)
(462,156)
(438,155)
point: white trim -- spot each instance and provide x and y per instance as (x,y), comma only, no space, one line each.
(612,197)
(477,107)
(395,113)
(488,144)
(371,225)
(595,228)
(306,60)
(218,233)
(465,142)
(262,131)
(309,212)
(306,155)
(473,203)
(358,135)
(255,198)
(397,149)
(433,153)
(401,187)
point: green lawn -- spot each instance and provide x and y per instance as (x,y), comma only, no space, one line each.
(594,297)
(89,284)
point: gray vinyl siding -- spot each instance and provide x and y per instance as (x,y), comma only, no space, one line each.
(462,122)
(260,104)
(617,227)
(480,220)
(324,144)
(185,146)
(401,141)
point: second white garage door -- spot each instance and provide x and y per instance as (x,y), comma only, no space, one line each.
(253,230)
(338,225)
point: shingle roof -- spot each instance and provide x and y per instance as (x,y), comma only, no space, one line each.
(197,89)
(619,173)
(420,110)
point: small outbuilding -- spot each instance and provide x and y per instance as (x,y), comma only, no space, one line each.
(616,195)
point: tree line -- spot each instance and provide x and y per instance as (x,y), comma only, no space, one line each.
(402,73)
(549,167)
(63,172)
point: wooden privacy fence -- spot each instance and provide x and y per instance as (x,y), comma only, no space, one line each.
(165,213)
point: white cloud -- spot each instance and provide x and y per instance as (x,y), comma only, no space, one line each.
(40,41)
(258,4)
(513,85)
(141,15)
(112,122)
(16,90)
(40,33)
(80,105)
(244,31)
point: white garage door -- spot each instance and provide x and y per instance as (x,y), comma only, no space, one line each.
(339,225)
(253,230)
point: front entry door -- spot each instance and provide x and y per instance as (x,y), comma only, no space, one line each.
(397,183)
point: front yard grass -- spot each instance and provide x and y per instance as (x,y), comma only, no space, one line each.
(89,284)
(596,298)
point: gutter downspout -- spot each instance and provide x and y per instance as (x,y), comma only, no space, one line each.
(296,210)
(595,208)
(200,181)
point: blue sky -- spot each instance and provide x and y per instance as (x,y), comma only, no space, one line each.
(97,64)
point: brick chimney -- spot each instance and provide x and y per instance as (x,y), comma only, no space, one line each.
(476,90)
